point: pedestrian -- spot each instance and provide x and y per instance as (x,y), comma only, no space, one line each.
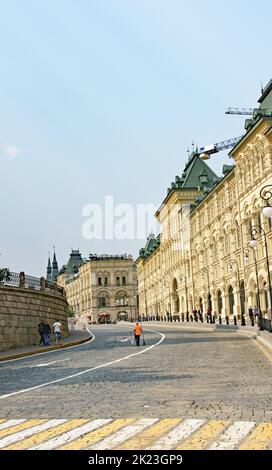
(47,333)
(57,326)
(137,333)
(41,326)
(250,313)
(256,312)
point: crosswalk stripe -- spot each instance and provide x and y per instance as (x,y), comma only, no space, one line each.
(259,439)
(45,435)
(147,437)
(11,422)
(119,437)
(70,435)
(202,437)
(29,432)
(233,435)
(2,420)
(94,436)
(172,439)
(20,427)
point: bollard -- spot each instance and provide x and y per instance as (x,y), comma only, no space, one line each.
(235,320)
(220,320)
(187,316)
(227,320)
(201,317)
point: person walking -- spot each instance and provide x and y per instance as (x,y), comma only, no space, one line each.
(47,333)
(41,326)
(57,326)
(137,333)
(250,314)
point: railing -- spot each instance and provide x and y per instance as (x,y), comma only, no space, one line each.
(31,282)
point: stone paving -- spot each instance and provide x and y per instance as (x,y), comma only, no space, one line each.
(191,374)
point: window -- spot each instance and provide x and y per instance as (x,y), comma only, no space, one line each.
(105,281)
(123,280)
(102,301)
(100,281)
(118,281)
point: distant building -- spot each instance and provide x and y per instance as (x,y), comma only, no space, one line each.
(52,270)
(102,288)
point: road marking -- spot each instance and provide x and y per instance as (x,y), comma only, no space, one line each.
(53,362)
(29,432)
(20,427)
(202,437)
(148,436)
(11,422)
(231,437)
(259,439)
(172,439)
(87,370)
(70,435)
(45,435)
(120,436)
(134,434)
(92,437)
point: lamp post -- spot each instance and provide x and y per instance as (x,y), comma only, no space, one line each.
(253,242)
(231,263)
(266,195)
(167,284)
(186,294)
(206,270)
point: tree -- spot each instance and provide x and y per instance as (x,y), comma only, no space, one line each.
(4,275)
(70,311)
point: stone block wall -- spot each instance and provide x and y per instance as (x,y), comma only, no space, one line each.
(21,310)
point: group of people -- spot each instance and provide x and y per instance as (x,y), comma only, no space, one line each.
(45,332)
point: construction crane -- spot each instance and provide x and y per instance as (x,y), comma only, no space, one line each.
(205,152)
(241,111)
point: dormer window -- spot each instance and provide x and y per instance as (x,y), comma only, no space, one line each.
(203,177)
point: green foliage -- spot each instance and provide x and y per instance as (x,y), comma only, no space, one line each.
(4,275)
(70,311)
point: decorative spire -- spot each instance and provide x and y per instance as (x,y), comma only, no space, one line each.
(55,269)
(49,269)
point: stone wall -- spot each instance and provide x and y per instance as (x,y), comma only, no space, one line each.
(22,309)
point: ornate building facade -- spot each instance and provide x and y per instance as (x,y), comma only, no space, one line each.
(204,258)
(102,288)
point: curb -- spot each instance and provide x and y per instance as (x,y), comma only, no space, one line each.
(49,348)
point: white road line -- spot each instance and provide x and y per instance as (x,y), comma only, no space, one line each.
(124,434)
(183,430)
(11,422)
(50,352)
(231,437)
(71,435)
(87,370)
(53,362)
(29,432)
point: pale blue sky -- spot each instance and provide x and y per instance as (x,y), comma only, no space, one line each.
(103,98)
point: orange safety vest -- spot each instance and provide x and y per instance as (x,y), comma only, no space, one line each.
(138,330)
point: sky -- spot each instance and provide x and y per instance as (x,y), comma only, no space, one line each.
(103,98)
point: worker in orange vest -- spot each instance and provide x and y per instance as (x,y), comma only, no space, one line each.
(137,333)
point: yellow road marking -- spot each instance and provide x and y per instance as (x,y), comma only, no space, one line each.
(202,437)
(259,438)
(147,437)
(20,427)
(2,421)
(46,435)
(94,436)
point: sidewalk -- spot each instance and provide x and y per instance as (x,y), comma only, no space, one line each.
(263,337)
(75,337)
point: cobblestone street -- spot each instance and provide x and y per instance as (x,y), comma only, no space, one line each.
(191,374)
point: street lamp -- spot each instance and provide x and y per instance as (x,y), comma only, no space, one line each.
(246,259)
(203,271)
(231,263)
(254,230)
(167,284)
(186,293)
(266,195)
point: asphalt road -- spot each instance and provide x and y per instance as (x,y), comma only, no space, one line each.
(189,374)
